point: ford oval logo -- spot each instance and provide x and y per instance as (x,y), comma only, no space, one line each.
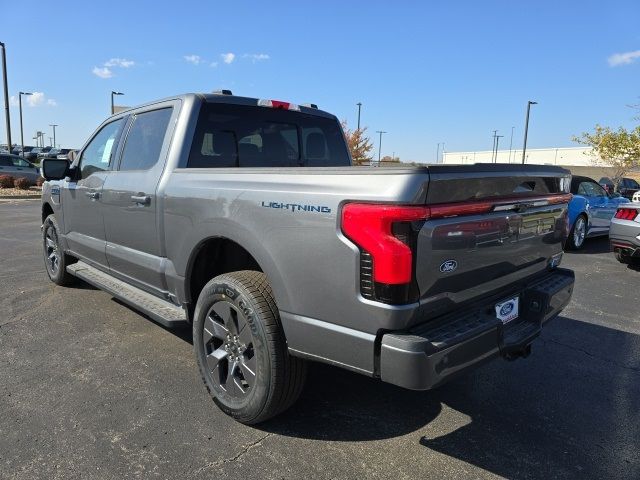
(448,266)
(506,309)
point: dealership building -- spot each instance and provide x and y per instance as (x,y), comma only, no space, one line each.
(568,157)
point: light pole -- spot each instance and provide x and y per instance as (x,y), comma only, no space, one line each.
(112,94)
(511,144)
(526,129)
(438,153)
(21,133)
(379,144)
(359,107)
(493,148)
(442,152)
(54,125)
(498,137)
(6,96)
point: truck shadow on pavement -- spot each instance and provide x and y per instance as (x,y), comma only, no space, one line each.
(571,410)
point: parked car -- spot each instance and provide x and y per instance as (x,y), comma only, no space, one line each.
(590,211)
(44,152)
(17,149)
(18,167)
(627,187)
(625,233)
(62,153)
(32,154)
(246,218)
(52,153)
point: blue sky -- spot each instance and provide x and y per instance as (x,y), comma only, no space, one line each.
(426,72)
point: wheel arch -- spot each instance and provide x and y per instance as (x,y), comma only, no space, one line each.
(46,210)
(217,254)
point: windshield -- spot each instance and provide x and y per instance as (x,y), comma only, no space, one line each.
(245,136)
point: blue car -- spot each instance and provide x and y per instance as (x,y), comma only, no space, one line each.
(590,211)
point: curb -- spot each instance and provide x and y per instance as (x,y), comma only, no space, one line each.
(18,197)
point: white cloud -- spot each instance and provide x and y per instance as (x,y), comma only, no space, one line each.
(213,64)
(257,57)
(119,62)
(103,72)
(195,59)
(36,99)
(624,58)
(228,57)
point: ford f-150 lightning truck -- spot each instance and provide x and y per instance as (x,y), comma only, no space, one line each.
(246,218)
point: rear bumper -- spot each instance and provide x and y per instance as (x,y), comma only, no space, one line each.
(624,237)
(432,354)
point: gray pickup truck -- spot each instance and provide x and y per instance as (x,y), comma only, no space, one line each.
(245,218)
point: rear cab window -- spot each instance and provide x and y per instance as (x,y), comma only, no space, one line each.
(230,135)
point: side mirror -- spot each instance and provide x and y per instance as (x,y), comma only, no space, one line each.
(54,169)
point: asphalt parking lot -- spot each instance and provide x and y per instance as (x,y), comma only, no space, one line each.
(91,389)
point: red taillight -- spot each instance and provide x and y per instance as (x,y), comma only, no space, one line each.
(371,228)
(626,213)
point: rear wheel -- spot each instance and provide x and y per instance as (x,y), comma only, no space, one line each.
(241,350)
(55,259)
(578,234)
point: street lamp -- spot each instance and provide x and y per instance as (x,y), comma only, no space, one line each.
(54,125)
(6,96)
(359,106)
(21,133)
(526,129)
(112,94)
(511,143)
(380,144)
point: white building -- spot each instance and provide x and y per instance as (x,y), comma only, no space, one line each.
(569,156)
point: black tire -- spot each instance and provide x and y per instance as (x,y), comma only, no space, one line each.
(575,240)
(243,301)
(620,257)
(55,260)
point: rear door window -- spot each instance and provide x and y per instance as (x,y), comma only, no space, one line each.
(245,136)
(145,139)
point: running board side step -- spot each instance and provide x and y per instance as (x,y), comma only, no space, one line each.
(160,310)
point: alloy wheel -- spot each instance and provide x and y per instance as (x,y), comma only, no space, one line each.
(229,350)
(579,232)
(52,254)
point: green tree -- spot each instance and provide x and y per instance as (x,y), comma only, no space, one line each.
(359,144)
(619,149)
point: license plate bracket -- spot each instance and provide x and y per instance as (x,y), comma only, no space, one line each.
(508,310)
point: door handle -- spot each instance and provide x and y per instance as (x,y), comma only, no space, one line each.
(93,195)
(141,199)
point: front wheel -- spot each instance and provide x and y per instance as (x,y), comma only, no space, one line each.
(578,234)
(241,349)
(55,259)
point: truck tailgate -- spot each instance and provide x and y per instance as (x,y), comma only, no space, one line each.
(490,231)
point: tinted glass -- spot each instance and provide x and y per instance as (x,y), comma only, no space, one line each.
(97,155)
(591,189)
(5,161)
(144,140)
(246,136)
